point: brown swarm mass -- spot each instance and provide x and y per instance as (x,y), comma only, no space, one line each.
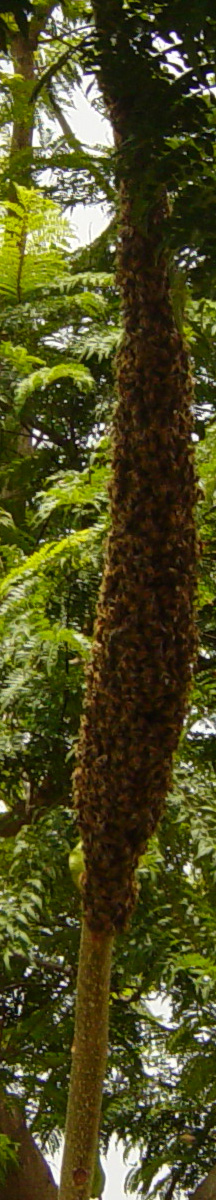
(139,676)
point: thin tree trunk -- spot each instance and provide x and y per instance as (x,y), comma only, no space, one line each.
(89,1052)
(21,141)
(20,172)
(32,1178)
(22,133)
(207,1189)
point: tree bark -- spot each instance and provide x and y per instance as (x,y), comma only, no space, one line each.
(21,142)
(32,1179)
(207,1189)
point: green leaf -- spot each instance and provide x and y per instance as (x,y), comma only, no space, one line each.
(47,376)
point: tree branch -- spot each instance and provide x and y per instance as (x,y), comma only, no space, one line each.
(39,21)
(171,1186)
(66,129)
(43,81)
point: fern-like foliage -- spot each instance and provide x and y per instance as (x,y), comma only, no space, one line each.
(33,223)
(47,376)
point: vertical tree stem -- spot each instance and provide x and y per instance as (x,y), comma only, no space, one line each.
(89,1054)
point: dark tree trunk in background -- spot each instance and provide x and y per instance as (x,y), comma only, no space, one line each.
(207,1189)
(32,1179)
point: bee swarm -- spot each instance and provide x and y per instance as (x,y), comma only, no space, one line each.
(144,643)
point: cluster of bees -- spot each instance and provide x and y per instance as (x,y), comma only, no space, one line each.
(145,636)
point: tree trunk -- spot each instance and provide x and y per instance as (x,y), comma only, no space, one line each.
(32,1179)
(207,1189)
(22,134)
(89,1053)
(19,172)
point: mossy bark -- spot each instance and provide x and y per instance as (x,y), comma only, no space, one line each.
(89,1052)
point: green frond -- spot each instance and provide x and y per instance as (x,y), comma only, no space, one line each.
(100,344)
(52,551)
(45,377)
(86,279)
(6,519)
(75,490)
(47,237)
(19,358)
(90,303)
(58,635)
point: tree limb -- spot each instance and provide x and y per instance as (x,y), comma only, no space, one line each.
(66,129)
(48,73)
(39,21)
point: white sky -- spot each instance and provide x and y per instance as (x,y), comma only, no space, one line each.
(114,1167)
(89,220)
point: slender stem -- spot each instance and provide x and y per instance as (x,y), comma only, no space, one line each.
(89,1054)
(66,129)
